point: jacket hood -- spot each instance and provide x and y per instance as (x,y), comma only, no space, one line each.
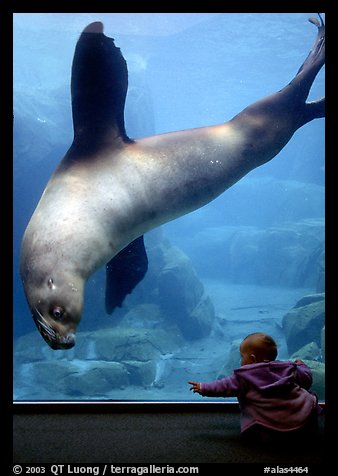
(269,377)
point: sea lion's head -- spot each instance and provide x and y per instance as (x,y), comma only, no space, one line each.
(56,304)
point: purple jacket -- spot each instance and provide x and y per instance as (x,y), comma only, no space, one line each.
(273,394)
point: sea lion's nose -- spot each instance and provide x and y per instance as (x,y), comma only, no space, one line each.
(62,342)
(66,342)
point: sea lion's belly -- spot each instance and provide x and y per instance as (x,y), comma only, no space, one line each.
(91,209)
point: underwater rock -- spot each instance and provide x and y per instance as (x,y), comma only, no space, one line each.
(171,295)
(122,344)
(309,351)
(74,379)
(28,349)
(310,298)
(141,373)
(287,254)
(97,378)
(138,350)
(100,362)
(303,324)
(200,320)
(318,376)
(320,286)
(50,375)
(182,298)
(233,361)
(143,316)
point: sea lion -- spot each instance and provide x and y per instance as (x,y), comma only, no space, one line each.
(109,190)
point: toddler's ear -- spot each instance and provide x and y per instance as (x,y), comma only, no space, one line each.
(253,358)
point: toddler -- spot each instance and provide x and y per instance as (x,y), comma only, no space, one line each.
(273,395)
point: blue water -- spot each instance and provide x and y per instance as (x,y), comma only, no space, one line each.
(255,251)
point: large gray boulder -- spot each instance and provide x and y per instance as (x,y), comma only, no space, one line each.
(318,378)
(182,298)
(309,351)
(97,378)
(233,361)
(304,322)
(171,295)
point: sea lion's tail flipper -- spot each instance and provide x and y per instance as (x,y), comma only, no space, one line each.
(124,272)
(302,82)
(316,57)
(99,87)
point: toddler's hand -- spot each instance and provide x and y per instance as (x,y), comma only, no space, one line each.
(195,387)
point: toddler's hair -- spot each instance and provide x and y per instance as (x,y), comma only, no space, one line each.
(263,345)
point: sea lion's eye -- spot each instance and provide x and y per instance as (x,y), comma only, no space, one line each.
(58,312)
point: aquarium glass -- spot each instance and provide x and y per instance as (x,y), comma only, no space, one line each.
(250,260)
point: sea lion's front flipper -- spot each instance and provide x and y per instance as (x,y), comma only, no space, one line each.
(99,87)
(124,272)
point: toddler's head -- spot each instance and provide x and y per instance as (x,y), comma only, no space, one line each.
(257,347)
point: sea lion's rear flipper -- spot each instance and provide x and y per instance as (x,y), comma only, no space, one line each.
(316,57)
(124,272)
(302,82)
(99,87)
